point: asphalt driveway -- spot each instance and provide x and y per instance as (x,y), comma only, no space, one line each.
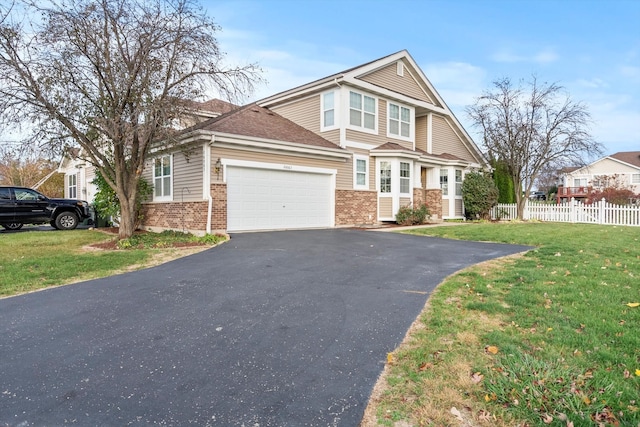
(270,329)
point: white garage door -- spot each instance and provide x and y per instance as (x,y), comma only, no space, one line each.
(265,199)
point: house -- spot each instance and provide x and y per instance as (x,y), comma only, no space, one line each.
(347,149)
(621,169)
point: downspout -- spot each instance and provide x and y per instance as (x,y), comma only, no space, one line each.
(207,181)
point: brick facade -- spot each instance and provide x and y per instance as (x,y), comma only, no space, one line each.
(190,216)
(219,210)
(434,203)
(356,207)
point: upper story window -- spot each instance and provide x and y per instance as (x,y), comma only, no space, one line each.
(405,177)
(360,172)
(635,178)
(458,182)
(328,109)
(72,186)
(162,178)
(385,177)
(399,121)
(362,111)
(579,182)
(444,181)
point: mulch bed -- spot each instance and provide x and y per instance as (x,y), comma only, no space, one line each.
(113,244)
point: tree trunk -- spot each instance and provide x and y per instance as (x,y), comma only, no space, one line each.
(127,220)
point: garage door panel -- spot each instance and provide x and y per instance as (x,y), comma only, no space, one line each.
(263,199)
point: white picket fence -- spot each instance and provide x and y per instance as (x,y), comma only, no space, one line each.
(600,212)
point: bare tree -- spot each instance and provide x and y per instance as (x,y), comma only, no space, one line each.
(530,126)
(111,76)
(25,166)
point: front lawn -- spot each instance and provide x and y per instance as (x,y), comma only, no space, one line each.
(34,260)
(548,338)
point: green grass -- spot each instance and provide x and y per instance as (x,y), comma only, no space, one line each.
(568,345)
(35,260)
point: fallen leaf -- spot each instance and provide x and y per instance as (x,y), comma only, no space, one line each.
(425,366)
(390,358)
(633,304)
(637,372)
(547,419)
(476,377)
(491,349)
(454,411)
(626,374)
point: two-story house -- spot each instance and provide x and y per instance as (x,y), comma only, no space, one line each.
(347,149)
(620,170)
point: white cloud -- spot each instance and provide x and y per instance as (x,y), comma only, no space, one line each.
(458,83)
(593,83)
(545,56)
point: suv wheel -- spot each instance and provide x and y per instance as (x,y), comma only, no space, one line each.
(66,221)
(13,226)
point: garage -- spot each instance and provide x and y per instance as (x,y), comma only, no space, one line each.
(277,197)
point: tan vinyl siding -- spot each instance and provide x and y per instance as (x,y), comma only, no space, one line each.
(445,140)
(445,207)
(421,133)
(458,207)
(385,207)
(331,135)
(187,176)
(388,78)
(367,138)
(305,112)
(405,201)
(344,176)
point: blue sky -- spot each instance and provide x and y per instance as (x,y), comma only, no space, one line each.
(590,47)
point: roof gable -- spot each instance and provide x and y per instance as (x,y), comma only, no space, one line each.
(388,77)
(630,157)
(259,122)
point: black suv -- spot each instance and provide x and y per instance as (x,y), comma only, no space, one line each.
(20,205)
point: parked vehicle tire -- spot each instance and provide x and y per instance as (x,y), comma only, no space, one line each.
(13,226)
(53,224)
(66,221)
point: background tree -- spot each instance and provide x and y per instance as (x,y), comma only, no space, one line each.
(479,195)
(111,76)
(502,179)
(28,168)
(529,126)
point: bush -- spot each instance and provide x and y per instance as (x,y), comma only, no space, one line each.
(107,204)
(479,195)
(408,215)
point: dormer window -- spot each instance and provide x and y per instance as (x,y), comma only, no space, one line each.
(362,111)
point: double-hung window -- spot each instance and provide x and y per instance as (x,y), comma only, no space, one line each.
(72,186)
(405,177)
(360,172)
(458,182)
(328,110)
(362,111)
(579,182)
(162,178)
(399,121)
(635,178)
(444,181)
(385,177)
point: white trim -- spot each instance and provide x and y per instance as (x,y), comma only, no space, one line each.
(412,122)
(274,166)
(400,178)
(163,198)
(336,110)
(206,183)
(357,157)
(347,113)
(430,133)
(400,68)
(360,145)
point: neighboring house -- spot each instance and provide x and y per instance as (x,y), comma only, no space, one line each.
(348,149)
(79,173)
(620,169)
